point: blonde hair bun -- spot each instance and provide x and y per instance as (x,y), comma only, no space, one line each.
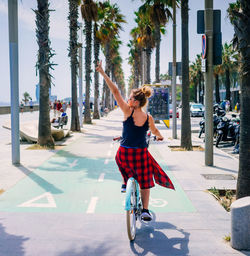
(147,91)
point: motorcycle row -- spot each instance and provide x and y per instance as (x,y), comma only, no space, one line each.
(225,129)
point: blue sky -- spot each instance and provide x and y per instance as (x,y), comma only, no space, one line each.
(59,34)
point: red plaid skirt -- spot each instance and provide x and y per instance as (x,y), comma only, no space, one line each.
(138,163)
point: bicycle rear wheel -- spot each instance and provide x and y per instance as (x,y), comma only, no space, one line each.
(131,202)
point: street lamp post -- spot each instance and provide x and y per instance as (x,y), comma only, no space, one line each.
(208,14)
(174,132)
(14,87)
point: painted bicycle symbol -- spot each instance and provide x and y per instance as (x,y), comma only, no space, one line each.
(157,202)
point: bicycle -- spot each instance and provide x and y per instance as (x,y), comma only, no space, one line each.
(133,203)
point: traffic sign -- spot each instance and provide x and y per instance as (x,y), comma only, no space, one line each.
(204,46)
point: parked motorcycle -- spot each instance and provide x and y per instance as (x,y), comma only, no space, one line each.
(218,114)
(227,130)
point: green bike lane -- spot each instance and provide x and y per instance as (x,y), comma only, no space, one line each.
(87,183)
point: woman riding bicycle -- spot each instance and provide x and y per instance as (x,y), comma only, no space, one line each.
(133,158)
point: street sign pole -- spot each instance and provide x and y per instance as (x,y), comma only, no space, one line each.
(14,83)
(209,84)
(174,128)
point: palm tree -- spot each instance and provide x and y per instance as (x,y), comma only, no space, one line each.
(26,97)
(159,15)
(97,44)
(186,141)
(73,51)
(89,12)
(43,65)
(193,80)
(240,17)
(146,39)
(228,64)
(217,71)
(109,28)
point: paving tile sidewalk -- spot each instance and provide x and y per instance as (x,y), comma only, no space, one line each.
(198,233)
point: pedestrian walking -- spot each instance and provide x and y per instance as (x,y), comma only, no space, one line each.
(133,157)
(58,107)
(31,105)
(21,107)
(54,108)
(64,106)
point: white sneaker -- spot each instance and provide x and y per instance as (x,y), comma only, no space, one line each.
(146,216)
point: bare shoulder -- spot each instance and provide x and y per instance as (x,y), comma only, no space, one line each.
(150,118)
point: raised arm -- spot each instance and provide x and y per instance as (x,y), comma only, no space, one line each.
(120,101)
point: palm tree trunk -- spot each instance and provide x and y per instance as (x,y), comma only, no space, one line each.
(157,54)
(136,72)
(148,61)
(88,31)
(42,21)
(217,88)
(186,141)
(195,92)
(73,50)
(240,26)
(107,70)
(96,114)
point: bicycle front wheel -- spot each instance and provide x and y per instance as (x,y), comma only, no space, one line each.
(131,213)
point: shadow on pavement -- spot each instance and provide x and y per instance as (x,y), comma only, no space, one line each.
(11,245)
(39,180)
(150,239)
(88,251)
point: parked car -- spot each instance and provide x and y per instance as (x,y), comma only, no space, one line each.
(171,111)
(197,109)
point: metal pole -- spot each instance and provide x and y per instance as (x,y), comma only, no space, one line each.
(14,87)
(80,77)
(208,14)
(174,128)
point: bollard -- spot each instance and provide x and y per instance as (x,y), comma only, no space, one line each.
(240,224)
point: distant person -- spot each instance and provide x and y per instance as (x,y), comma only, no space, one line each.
(238,107)
(227,106)
(54,107)
(91,105)
(58,107)
(64,106)
(21,106)
(31,105)
(223,105)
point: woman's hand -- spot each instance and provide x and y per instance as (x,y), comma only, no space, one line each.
(99,67)
(159,138)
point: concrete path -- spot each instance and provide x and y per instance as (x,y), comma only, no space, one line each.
(68,202)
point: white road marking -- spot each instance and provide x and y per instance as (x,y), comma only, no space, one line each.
(51,201)
(71,165)
(92,205)
(101,177)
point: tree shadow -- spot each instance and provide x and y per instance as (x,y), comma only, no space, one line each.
(151,240)
(101,249)
(11,244)
(39,180)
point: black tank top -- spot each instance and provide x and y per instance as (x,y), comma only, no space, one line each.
(134,136)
